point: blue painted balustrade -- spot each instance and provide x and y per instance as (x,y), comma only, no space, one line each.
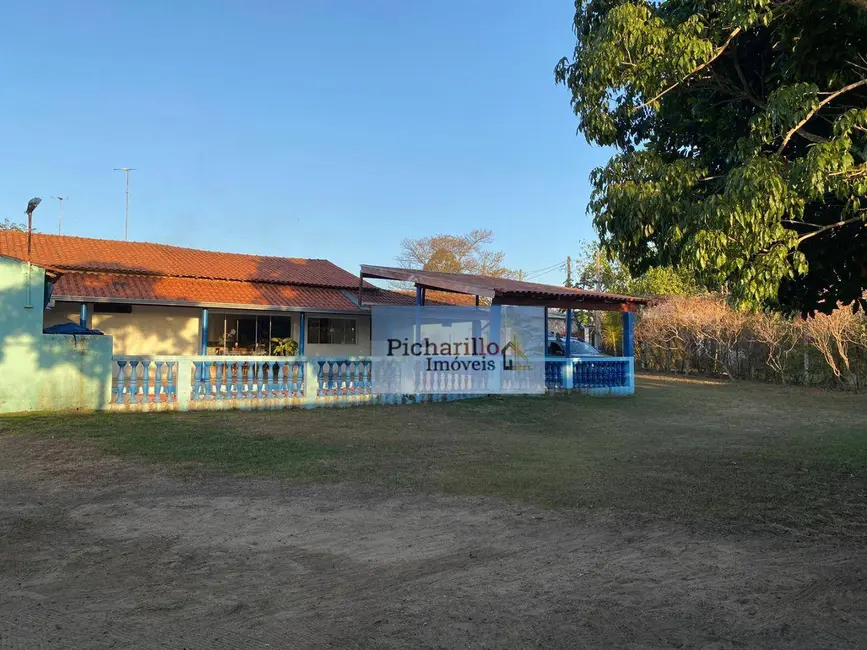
(343,377)
(144,380)
(153,383)
(218,379)
(594,375)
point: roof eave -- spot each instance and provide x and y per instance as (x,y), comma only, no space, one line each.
(204,305)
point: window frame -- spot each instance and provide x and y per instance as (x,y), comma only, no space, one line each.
(322,324)
(229,320)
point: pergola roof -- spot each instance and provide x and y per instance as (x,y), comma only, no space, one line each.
(503,291)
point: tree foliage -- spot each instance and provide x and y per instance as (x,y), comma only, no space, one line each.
(740,129)
(597,268)
(6,224)
(455,254)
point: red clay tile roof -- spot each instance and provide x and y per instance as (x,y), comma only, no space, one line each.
(105,255)
(150,288)
(384,297)
(432,297)
(502,288)
(157,273)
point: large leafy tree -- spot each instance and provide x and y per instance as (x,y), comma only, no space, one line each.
(596,269)
(740,129)
(469,253)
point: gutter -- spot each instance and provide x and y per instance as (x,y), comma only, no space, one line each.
(205,305)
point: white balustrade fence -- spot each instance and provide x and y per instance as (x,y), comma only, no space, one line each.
(145,383)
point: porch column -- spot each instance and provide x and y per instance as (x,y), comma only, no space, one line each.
(546,330)
(477,322)
(204,343)
(82,315)
(628,340)
(419,302)
(496,320)
(494,337)
(568,332)
(302,328)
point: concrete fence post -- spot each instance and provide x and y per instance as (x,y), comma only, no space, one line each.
(631,378)
(184,383)
(568,374)
(311,381)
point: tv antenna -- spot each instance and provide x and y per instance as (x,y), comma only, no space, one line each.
(60,200)
(126,170)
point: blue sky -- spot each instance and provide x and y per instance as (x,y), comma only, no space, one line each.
(322,128)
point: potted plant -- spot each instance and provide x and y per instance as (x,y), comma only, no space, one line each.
(285,347)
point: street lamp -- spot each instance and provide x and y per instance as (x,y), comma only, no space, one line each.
(32,204)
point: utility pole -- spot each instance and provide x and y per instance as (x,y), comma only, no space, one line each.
(60,200)
(126,170)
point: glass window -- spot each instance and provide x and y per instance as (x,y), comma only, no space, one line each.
(216,334)
(334,331)
(245,342)
(111,308)
(263,335)
(244,334)
(281,327)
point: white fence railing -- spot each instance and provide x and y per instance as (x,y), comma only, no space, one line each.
(243,382)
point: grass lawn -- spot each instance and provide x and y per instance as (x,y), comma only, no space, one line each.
(703,453)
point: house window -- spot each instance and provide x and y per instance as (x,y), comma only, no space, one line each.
(111,308)
(334,331)
(245,335)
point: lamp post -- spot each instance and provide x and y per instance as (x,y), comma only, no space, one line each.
(32,204)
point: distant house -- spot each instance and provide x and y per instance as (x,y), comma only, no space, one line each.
(155,299)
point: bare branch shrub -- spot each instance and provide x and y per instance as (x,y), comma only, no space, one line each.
(706,335)
(836,336)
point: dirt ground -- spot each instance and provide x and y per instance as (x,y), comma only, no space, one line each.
(98,552)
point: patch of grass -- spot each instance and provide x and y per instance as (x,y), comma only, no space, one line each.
(732,454)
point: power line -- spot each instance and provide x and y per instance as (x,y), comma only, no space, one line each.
(546,269)
(539,275)
(556,267)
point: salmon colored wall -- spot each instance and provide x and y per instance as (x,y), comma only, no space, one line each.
(152,330)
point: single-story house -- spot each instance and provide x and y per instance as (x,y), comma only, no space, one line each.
(155,299)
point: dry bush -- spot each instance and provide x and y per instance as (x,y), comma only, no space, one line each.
(780,336)
(691,334)
(706,335)
(838,337)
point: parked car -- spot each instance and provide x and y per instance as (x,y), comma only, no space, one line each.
(577,348)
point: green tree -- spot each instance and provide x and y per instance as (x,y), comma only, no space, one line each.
(455,254)
(6,224)
(740,129)
(597,267)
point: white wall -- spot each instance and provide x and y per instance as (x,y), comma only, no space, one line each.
(41,371)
